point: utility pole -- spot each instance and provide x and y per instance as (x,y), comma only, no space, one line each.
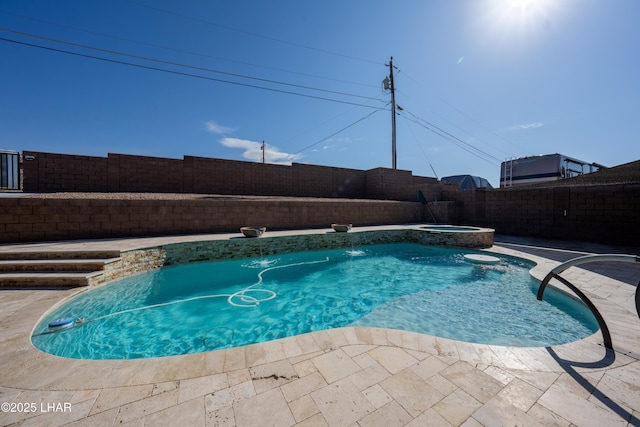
(262,151)
(393,116)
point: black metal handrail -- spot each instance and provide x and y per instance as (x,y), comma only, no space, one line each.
(555,274)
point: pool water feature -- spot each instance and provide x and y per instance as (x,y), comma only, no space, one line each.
(215,305)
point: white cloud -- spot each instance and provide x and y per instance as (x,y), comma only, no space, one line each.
(214,127)
(530,125)
(253,151)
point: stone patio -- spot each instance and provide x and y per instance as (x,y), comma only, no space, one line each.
(342,377)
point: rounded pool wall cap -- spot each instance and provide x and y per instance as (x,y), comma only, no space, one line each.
(253,231)
(481,259)
(67,322)
(341,228)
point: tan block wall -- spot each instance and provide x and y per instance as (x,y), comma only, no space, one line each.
(25,219)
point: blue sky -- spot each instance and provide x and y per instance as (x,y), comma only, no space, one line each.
(477,80)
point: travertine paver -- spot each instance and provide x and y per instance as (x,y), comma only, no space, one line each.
(344,377)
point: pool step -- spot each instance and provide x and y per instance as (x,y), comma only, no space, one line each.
(65,255)
(44,265)
(57,269)
(44,280)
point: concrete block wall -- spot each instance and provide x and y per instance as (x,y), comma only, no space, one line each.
(603,213)
(390,184)
(606,213)
(63,172)
(49,172)
(144,174)
(24,219)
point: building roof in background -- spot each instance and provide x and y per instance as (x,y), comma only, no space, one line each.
(467,182)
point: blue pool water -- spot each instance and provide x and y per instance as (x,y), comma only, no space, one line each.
(215,305)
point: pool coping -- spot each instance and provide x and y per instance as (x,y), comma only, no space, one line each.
(23,367)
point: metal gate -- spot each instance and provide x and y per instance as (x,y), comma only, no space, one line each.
(9,170)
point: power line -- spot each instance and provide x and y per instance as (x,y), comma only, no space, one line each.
(147,67)
(341,130)
(420,147)
(226,27)
(457,141)
(113,52)
(186,51)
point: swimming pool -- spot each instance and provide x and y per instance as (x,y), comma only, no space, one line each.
(214,305)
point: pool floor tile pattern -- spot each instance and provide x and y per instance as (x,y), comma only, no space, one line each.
(343,377)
